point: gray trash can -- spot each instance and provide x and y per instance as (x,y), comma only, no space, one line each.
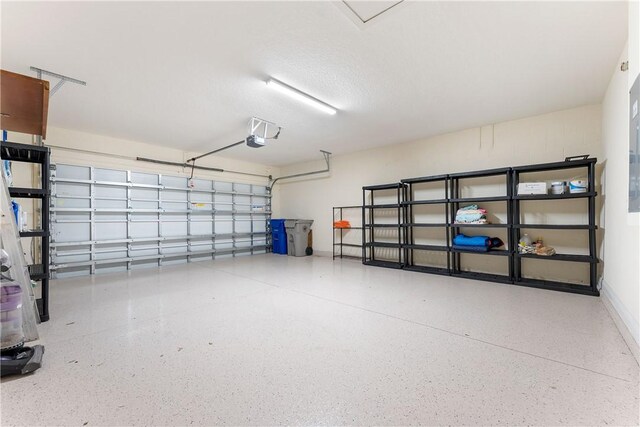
(297,235)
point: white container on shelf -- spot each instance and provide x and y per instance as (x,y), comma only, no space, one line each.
(530,188)
(578,186)
(558,187)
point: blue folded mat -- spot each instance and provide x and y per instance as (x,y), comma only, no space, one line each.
(479,241)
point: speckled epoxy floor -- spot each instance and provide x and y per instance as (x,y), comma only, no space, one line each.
(272,339)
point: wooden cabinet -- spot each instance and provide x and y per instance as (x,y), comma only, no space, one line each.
(24,104)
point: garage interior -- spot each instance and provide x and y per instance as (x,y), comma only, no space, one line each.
(320,213)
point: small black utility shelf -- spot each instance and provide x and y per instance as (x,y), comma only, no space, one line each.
(37,155)
(458,199)
(586,168)
(452,197)
(426,194)
(371,216)
(340,213)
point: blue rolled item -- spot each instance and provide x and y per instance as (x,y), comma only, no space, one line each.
(478,241)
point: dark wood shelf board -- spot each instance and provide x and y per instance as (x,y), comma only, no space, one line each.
(422,179)
(427,269)
(544,167)
(555,196)
(382,245)
(462,225)
(486,277)
(560,257)
(392,186)
(31,193)
(348,245)
(34,233)
(498,252)
(386,264)
(439,248)
(557,226)
(557,286)
(480,199)
(480,173)
(385,206)
(425,202)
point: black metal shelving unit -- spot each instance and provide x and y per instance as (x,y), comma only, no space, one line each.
(455,229)
(37,155)
(338,233)
(587,167)
(410,225)
(453,199)
(369,243)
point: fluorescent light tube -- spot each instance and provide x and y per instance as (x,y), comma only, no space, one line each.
(300,96)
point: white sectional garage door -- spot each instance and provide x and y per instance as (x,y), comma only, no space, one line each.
(106,220)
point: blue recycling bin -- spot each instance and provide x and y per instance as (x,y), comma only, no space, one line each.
(279,236)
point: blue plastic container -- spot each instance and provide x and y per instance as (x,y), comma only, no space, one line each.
(279,236)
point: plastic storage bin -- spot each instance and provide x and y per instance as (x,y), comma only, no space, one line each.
(11,315)
(297,236)
(278,236)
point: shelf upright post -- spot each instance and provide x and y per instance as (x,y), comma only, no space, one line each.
(399,229)
(515,222)
(341,235)
(129,208)
(409,215)
(92,220)
(447,220)
(508,184)
(44,226)
(371,222)
(454,208)
(189,206)
(251,214)
(52,218)
(593,266)
(364,227)
(213,220)
(160,249)
(233,219)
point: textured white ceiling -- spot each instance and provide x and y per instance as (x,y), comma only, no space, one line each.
(189,75)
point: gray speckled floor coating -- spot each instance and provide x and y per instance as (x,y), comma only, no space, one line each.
(271,339)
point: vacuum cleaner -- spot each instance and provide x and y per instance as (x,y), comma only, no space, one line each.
(15,357)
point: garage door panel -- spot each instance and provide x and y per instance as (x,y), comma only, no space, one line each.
(136,220)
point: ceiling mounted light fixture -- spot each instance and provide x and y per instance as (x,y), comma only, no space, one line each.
(301,96)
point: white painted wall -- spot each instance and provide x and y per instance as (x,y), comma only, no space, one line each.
(621,285)
(120,154)
(546,138)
